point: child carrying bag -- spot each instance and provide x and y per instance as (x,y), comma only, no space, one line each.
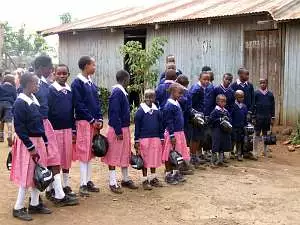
(270,139)
(100,145)
(136,161)
(42,176)
(175,158)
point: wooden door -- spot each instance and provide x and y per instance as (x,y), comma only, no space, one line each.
(262,57)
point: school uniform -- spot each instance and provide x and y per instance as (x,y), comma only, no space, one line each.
(87,107)
(53,158)
(149,133)
(174,121)
(186,105)
(162,94)
(119,151)
(248,90)
(8,95)
(264,110)
(221,141)
(163,76)
(239,121)
(61,116)
(228,92)
(28,123)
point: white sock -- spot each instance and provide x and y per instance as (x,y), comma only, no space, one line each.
(144,179)
(20,199)
(50,187)
(153,176)
(175,171)
(34,197)
(83,173)
(112,178)
(89,172)
(59,193)
(167,173)
(66,179)
(125,174)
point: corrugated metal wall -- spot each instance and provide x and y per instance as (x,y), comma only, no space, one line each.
(291,102)
(103,45)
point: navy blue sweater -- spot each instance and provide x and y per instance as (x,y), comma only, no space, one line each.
(162,94)
(216,116)
(148,125)
(8,93)
(239,116)
(173,118)
(118,111)
(228,92)
(86,100)
(209,99)
(163,76)
(61,110)
(264,107)
(28,121)
(196,94)
(42,96)
(186,105)
(248,91)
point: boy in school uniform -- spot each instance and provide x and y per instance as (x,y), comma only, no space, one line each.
(170,60)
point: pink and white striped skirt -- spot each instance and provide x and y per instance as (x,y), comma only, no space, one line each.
(119,152)
(22,170)
(180,146)
(53,158)
(64,143)
(151,152)
(84,138)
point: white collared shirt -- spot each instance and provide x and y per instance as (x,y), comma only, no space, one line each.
(84,79)
(173,102)
(29,100)
(264,92)
(169,81)
(147,109)
(121,88)
(220,109)
(238,81)
(240,105)
(43,79)
(58,87)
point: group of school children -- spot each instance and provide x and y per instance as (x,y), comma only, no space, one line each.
(55,124)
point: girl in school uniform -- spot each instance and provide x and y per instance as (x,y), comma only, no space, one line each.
(174,135)
(118,134)
(61,116)
(149,139)
(43,68)
(30,144)
(89,121)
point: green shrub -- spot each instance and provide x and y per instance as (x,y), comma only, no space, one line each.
(104,94)
(132,112)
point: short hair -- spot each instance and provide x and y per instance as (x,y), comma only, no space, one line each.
(171,75)
(121,75)
(183,80)
(175,86)
(204,72)
(228,74)
(206,69)
(9,78)
(83,61)
(26,78)
(61,65)
(220,96)
(149,92)
(239,92)
(242,70)
(263,79)
(42,61)
(170,56)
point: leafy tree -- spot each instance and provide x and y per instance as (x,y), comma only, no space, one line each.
(65,18)
(142,63)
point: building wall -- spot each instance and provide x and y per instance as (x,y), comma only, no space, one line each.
(103,45)
(291,102)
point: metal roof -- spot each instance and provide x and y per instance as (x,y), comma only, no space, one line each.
(181,10)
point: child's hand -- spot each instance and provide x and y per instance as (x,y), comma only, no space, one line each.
(173,142)
(136,145)
(73,138)
(120,137)
(98,125)
(162,142)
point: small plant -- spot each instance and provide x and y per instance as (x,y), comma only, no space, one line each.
(104,94)
(133,112)
(296,136)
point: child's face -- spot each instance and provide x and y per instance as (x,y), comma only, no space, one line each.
(227,81)
(91,67)
(177,93)
(149,99)
(171,67)
(46,71)
(222,102)
(205,79)
(61,75)
(33,85)
(244,76)
(240,98)
(263,84)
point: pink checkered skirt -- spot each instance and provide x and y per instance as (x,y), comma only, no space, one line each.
(53,158)
(151,152)
(84,138)
(64,142)
(119,152)
(181,146)
(22,170)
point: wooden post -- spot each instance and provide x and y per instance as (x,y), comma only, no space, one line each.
(1,43)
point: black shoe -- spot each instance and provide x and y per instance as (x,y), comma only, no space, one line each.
(91,187)
(50,195)
(68,191)
(116,189)
(66,201)
(39,209)
(129,184)
(83,191)
(22,214)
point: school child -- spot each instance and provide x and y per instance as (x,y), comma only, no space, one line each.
(8,95)
(197,94)
(149,139)
(170,60)
(239,113)
(89,121)
(118,135)
(30,145)
(43,67)
(174,135)
(264,113)
(161,92)
(224,89)
(61,116)
(221,140)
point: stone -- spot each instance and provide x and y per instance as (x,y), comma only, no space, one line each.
(167,207)
(287,142)
(291,148)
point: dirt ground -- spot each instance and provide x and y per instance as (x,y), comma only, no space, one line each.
(262,192)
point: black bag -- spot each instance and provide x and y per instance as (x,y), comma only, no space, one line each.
(248,143)
(226,126)
(249,129)
(175,158)
(100,145)
(42,177)
(197,118)
(136,161)
(270,139)
(8,161)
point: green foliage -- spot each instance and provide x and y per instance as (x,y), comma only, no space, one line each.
(133,112)
(296,136)
(21,43)
(142,63)
(104,94)
(65,18)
